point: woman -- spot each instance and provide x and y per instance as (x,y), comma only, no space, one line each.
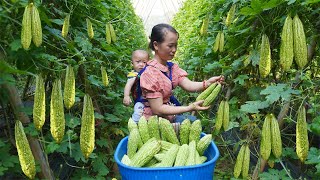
(155,84)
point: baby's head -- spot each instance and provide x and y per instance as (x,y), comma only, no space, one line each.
(139,59)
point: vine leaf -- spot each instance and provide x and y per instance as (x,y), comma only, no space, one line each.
(72,121)
(15,45)
(289,152)
(314,158)
(111,118)
(240,79)
(51,147)
(8,161)
(102,142)
(274,174)
(254,106)
(275,92)
(100,167)
(94,80)
(211,67)
(255,57)
(257,6)
(291,1)
(77,154)
(254,9)
(98,116)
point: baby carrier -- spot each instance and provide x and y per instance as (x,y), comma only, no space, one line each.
(137,93)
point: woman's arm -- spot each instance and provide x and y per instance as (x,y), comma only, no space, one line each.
(159,108)
(193,86)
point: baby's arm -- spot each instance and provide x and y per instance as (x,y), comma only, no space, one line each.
(126,99)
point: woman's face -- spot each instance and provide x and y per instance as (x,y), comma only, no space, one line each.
(167,49)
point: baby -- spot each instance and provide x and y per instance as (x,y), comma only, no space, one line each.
(139,59)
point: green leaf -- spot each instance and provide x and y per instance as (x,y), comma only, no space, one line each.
(63,147)
(273,97)
(7,79)
(52,147)
(211,67)
(208,51)
(76,153)
(232,124)
(94,80)
(10,161)
(57,21)
(291,1)
(2,170)
(45,18)
(255,57)
(100,167)
(315,125)
(318,169)
(271,4)
(27,109)
(285,95)
(72,121)
(254,93)
(310,2)
(256,6)
(313,156)
(102,142)
(15,45)
(85,45)
(253,106)
(47,57)
(103,172)
(274,175)
(98,116)
(2,143)
(111,118)
(280,90)
(7,68)
(247,11)
(55,32)
(31,130)
(237,64)
(240,79)
(7,161)
(289,152)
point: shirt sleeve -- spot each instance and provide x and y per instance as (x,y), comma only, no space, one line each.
(178,75)
(131,74)
(149,84)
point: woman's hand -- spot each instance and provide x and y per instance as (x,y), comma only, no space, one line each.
(214,79)
(196,106)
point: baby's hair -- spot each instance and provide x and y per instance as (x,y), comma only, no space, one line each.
(140,51)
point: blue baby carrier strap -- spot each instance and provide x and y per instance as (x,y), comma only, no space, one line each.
(139,92)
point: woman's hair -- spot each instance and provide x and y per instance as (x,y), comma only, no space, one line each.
(158,33)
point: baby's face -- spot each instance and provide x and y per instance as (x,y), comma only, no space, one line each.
(139,60)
